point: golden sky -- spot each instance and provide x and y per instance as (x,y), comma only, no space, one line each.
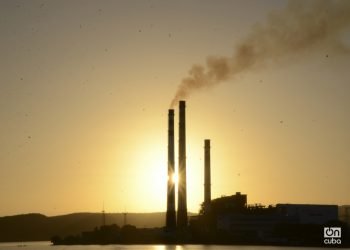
(86,86)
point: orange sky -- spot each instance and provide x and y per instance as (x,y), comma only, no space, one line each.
(84,92)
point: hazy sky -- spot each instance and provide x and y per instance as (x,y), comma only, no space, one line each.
(86,85)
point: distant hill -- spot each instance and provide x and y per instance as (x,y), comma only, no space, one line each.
(36,227)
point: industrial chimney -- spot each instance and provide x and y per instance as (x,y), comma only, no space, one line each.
(170,212)
(207,184)
(182,196)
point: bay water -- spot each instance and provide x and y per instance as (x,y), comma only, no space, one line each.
(46,245)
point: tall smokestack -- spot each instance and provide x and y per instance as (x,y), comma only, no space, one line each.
(207,184)
(170,212)
(182,196)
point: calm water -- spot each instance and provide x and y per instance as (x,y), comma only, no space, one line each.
(46,246)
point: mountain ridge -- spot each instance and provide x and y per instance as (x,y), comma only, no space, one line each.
(39,227)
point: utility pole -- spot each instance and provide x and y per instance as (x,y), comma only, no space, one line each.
(103,215)
(125,218)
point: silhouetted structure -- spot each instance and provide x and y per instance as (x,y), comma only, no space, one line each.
(103,217)
(207,184)
(125,214)
(182,193)
(170,212)
(224,220)
(229,204)
(309,213)
(344,213)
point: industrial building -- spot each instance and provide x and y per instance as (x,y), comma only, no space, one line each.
(344,214)
(308,213)
(232,217)
(232,214)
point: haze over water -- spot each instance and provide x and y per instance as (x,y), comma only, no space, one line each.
(46,246)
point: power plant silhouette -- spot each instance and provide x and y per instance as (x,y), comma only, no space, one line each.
(224,220)
(181,219)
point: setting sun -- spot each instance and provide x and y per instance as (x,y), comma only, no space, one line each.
(175,178)
(84,110)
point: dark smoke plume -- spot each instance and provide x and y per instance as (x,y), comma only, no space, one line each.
(287,33)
